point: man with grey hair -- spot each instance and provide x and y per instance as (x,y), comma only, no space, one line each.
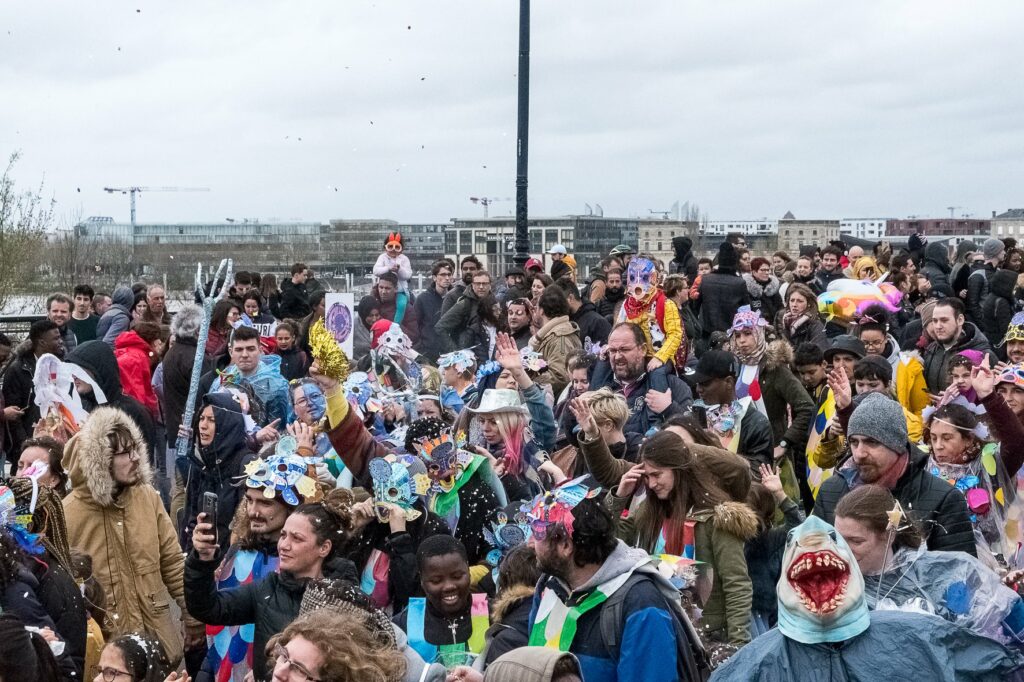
(177,374)
(156,305)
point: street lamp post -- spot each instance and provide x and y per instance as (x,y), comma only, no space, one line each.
(522,245)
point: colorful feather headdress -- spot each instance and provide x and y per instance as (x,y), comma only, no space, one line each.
(555,506)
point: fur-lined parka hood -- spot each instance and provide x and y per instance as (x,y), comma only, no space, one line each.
(88,456)
(778,354)
(510,599)
(758,290)
(735,518)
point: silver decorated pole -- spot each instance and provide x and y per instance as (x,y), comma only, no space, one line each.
(209,301)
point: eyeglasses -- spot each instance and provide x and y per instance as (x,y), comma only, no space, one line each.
(296,671)
(622,351)
(539,528)
(392,247)
(111,674)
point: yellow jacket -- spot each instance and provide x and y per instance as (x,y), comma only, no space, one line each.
(911,391)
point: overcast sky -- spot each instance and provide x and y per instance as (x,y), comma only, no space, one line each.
(404,109)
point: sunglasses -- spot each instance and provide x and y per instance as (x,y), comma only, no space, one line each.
(539,528)
(393,247)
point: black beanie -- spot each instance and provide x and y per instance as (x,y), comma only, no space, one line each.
(727,257)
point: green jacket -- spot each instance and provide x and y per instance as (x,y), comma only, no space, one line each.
(719,538)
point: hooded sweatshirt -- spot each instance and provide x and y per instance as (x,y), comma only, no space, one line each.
(118,317)
(936,265)
(97,358)
(216,468)
(527,664)
(684,262)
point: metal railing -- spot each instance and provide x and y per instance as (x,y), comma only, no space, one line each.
(16,326)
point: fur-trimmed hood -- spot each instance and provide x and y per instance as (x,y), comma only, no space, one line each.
(88,457)
(758,290)
(509,599)
(735,518)
(778,354)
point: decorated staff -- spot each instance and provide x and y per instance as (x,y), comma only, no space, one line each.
(208,301)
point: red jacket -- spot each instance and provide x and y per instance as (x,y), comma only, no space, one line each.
(132,354)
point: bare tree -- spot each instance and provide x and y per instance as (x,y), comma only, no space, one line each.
(24,219)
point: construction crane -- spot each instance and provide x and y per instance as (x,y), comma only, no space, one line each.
(487,201)
(952,210)
(132,191)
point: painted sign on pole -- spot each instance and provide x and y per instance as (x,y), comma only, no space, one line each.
(339,317)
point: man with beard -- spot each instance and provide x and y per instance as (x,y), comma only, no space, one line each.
(20,410)
(589,576)
(614,295)
(469,266)
(58,310)
(652,397)
(116,516)
(882,454)
(951,334)
(385,293)
(251,559)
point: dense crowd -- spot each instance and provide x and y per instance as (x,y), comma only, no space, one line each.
(773,467)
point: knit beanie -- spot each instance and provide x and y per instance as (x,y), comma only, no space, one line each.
(882,419)
(727,257)
(965,247)
(991,248)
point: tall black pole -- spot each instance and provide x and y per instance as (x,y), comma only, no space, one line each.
(523,137)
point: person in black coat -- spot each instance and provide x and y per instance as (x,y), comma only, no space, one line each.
(215,465)
(592,325)
(177,364)
(307,551)
(936,507)
(684,261)
(510,612)
(294,303)
(722,292)
(998,305)
(18,387)
(428,311)
(97,359)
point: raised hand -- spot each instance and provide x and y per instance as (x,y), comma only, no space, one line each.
(507,353)
(629,481)
(771,482)
(983,379)
(581,410)
(303,434)
(840,385)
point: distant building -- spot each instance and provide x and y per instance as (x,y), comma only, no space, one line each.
(655,236)
(1008,224)
(864,228)
(352,246)
(957,228)
(794,233)
(749,228)
(588,238)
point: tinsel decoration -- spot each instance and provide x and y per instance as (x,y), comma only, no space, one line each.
(328,354)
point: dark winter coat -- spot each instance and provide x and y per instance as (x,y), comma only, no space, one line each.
(936,265)
(809,331)
(510,620)
(998,305)
(60,595)
(98,359)
(178,364)
(936,356)
(271,604)
(822,278)
(937,508)
(610,304)
(764,298)
(978,286)
(592,325)
(428,312)
(721,293)
(294,363)
(784,397)
(118,317)
(215,468)
(294,303)
(757,442)
(684,262)
(19,391)
(458,328)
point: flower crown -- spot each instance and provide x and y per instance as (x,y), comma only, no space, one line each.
(555,506)
(281,473)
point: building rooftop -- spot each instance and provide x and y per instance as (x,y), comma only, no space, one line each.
(1011,214)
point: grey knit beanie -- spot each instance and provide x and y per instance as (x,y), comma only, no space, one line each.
(880,418)
(992,247)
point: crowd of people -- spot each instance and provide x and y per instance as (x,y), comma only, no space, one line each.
(752,466)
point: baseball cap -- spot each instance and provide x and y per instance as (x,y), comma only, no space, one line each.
(714,364)
(558,248)
(534,264)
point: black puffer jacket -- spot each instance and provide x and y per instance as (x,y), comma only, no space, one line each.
(271,604)
(60,596)
(938,508)
(979,283)
(936,356)
(177,376)
(721,293)
(215,468)
(97,358)
(997,306)
(294,303)
(936,265)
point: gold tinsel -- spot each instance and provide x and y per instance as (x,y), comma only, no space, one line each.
(327,353)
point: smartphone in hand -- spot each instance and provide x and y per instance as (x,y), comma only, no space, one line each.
(210,502)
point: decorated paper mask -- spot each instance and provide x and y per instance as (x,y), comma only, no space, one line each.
(16,520)
(284,474)
(360,392)
(641,278)
(461,360)
(394,342)
(821,591)
(555,506)
(445,460)
(505,534)
(393,484)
